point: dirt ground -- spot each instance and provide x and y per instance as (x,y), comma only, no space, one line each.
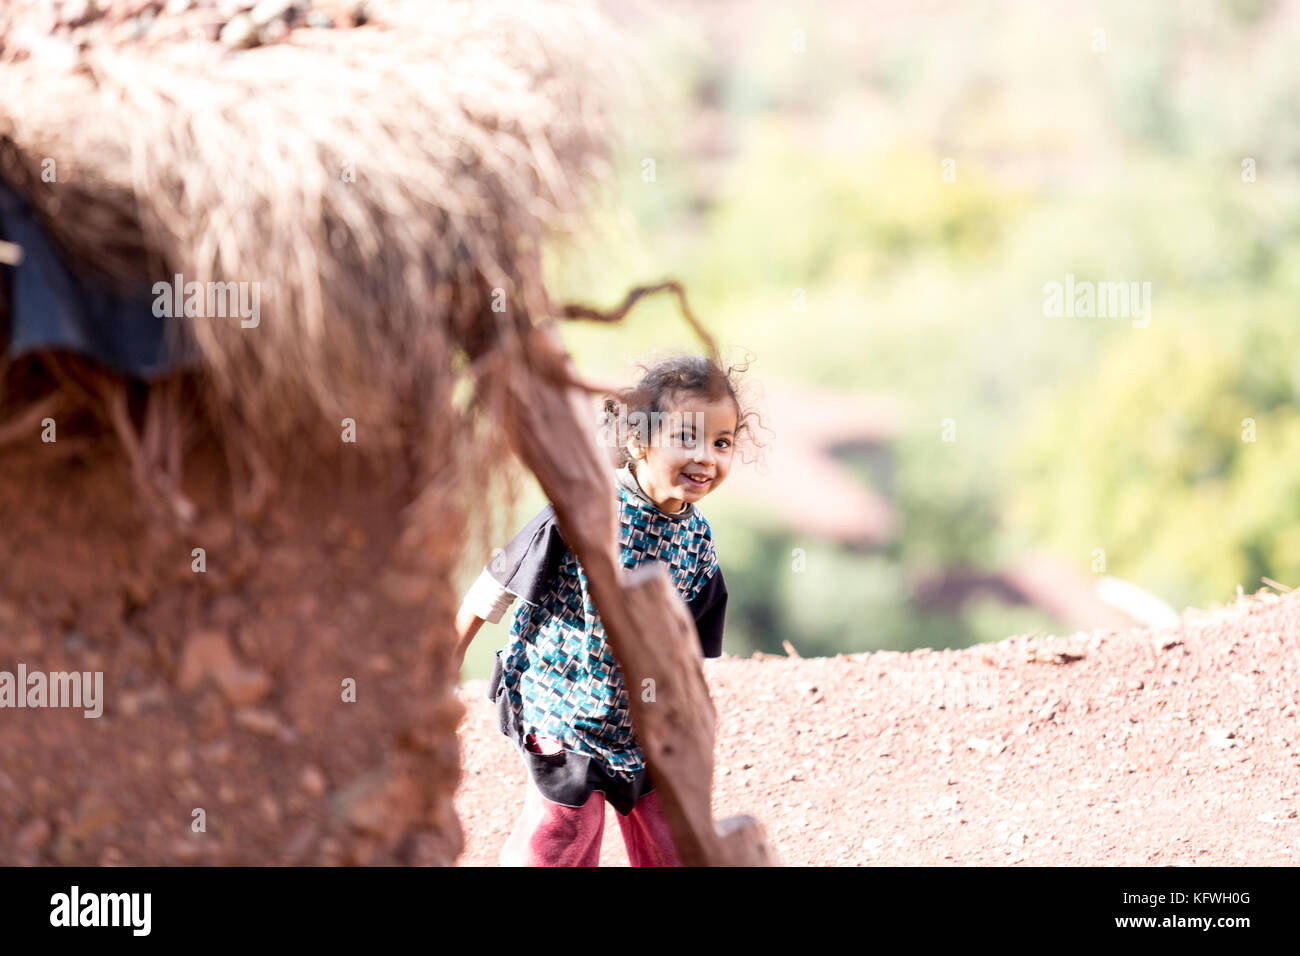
(1135,748)
(221,689)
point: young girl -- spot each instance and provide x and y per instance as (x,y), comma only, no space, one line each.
(558,689)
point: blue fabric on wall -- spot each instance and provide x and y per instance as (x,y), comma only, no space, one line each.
(51,308)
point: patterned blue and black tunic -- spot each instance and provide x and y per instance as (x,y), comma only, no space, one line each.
(556,677)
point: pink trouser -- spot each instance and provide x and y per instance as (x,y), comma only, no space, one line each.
(548,834)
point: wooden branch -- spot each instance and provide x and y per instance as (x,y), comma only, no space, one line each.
(648,627)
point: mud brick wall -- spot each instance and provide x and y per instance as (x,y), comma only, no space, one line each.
(224,688)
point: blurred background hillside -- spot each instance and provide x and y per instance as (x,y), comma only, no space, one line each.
(868,200)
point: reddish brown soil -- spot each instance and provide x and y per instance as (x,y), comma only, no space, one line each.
(222,693)
(222,689)
(1113,748)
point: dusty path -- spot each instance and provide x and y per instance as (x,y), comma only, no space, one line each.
(1180,747)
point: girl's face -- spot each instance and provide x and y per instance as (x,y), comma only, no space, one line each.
(694,440)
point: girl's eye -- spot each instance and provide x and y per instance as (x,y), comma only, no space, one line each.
(726,442)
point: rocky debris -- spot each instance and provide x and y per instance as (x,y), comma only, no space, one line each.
(264,723)
(1221,738)
(208,655)
(1049,656)
(299,845)
(381,803)
(93,814)
(312,781)
(1145,751)
(32,836)
(188,849)
(244,685)
(132,703)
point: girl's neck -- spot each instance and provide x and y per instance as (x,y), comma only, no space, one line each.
(632,468)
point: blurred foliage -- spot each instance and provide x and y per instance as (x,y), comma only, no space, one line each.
(773,170)
(1181,463)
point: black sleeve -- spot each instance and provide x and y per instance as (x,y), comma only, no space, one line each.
(527,564)
(709,608)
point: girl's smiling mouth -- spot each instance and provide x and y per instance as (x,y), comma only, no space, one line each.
(698,483)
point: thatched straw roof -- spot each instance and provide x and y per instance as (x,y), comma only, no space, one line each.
(388,187)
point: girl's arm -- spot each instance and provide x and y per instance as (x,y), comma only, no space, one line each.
(709,608)
(487,600)
(467,625)
(524,568)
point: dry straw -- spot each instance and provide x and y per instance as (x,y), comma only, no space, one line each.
(385,186)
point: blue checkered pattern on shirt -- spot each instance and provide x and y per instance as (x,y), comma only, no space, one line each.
(559,673)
